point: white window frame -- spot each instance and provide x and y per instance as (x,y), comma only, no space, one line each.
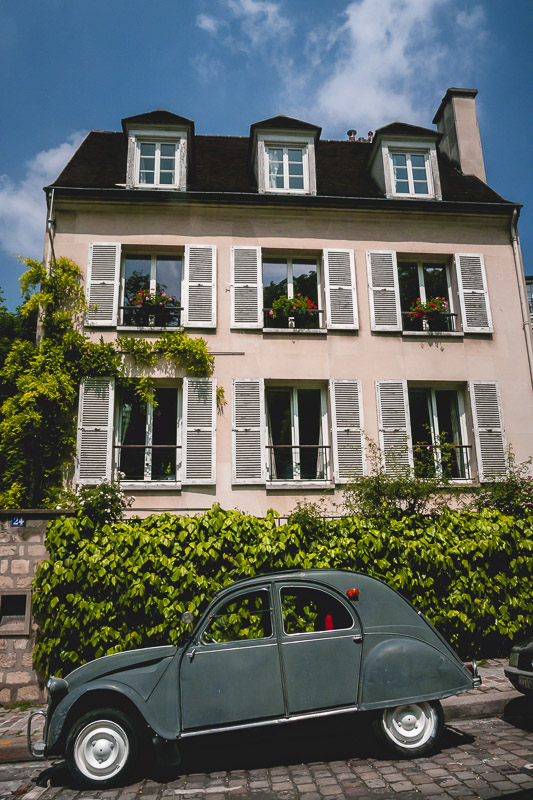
(153,281)
(157,137)
(285,168)
(285,141)
(408,148)
(290,283)
(295,435)
(422,284)
(148,482)
(431,389)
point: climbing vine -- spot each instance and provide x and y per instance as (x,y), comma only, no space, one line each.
(39,381)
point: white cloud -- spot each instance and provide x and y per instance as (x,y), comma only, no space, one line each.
(208,23)
(472,21)
(261,20)
(22,203)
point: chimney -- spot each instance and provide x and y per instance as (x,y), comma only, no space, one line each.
(456,119)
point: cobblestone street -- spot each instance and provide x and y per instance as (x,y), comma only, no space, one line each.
(488,758)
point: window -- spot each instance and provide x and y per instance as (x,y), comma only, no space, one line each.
(411,173)
(297,432)
(247,616)
(157,163)
(152,290)
(294,279)
(287,169)
(425,281)
(148,436)
(14,613)
(438,433)
(311,610)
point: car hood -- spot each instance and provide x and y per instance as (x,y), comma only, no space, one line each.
(107,665)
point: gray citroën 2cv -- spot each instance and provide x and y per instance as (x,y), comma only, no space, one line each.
(269,649)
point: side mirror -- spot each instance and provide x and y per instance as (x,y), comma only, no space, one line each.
(187,618)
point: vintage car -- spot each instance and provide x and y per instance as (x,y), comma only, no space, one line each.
(520,668)
(269,649)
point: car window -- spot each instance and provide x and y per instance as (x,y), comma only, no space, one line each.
(247,616)
(309,610)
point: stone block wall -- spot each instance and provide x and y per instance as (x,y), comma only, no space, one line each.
(21,551)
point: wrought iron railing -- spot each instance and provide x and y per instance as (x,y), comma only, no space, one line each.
(151,317)
(450,460)
(437,321)
(303,462)
(159,460)
(310,319)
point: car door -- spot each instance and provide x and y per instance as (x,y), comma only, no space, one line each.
(321,646)
(232,674)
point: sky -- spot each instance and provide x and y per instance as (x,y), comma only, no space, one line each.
(69,66)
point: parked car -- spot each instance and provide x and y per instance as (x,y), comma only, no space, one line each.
(269,649)
(520,668)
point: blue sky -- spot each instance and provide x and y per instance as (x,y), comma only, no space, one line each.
(69,66)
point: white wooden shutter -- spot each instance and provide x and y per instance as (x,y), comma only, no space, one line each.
(199,283)
(199,426)
(94,451)
(246,287)
(248,412)
(103,280)
(489,434)
(340,289)
(394,425)
(347,429)
(473,294)
(385,311)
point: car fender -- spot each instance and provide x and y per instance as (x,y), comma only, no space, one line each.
(403,669)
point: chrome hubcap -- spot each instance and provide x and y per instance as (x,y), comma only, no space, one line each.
(411,725)
(101,750)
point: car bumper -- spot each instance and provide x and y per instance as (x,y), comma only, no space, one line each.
(37,748)
(521,680)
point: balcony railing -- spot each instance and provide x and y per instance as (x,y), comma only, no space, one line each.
(148,462)
(303,462)
(438,321)
(151,317)
(310,319)
(450,460)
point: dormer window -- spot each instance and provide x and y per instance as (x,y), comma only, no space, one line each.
(283,154)
(158,163)
(287,169)
(411,174)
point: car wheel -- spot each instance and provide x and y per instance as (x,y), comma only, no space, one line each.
(101,748)
(412,729)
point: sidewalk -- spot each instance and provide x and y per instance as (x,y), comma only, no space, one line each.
(490,700)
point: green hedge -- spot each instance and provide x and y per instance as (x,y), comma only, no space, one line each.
(126,585)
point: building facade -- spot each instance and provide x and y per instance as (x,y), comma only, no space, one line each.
(298,260)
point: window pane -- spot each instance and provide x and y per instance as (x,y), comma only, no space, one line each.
(168,151)
(421,187)
(421,430)
(147,148)
(132,432)
(296,183)
(435,280)
(136,277)
(275,168)
(274,283)
(164,433)
(399,159)
(305,278)
(418,161)
(452,460)
(409,292)
(246,617)
(147,162)
(295,155)
(279,416)
(310,429)
(169,272)
(310,610)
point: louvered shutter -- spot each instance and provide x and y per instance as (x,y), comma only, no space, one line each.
(248,400)
(103,278)
(394,425)
(340,290)
(385,311)
(246,288)
(94,456)
(199,425)
(347,428)
(489,433)
(473,294)
(200,286)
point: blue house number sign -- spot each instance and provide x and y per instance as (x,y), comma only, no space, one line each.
(18,522)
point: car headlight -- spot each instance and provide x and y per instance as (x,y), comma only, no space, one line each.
(513,660)
(55,687)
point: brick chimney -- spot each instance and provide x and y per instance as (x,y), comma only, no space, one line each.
(456,119)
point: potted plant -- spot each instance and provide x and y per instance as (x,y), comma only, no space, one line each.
(432,310)
(152,304)
(301,310)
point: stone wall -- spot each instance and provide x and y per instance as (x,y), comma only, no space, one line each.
(22,533)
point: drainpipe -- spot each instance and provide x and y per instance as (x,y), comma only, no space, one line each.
(519,269)
(50,261)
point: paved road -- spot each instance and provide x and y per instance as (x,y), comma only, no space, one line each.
(489,758)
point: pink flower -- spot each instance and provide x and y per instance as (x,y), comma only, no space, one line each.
(160,304)
(163,294)
(270,313)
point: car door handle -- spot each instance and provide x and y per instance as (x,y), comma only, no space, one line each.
(191,653)
(358,639)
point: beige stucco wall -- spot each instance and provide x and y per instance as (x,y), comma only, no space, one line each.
(296,356)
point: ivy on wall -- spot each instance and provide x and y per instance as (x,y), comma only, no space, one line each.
(108,588)
(39,381)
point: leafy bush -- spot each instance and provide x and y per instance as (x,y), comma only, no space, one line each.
(126,585)
(510,495)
